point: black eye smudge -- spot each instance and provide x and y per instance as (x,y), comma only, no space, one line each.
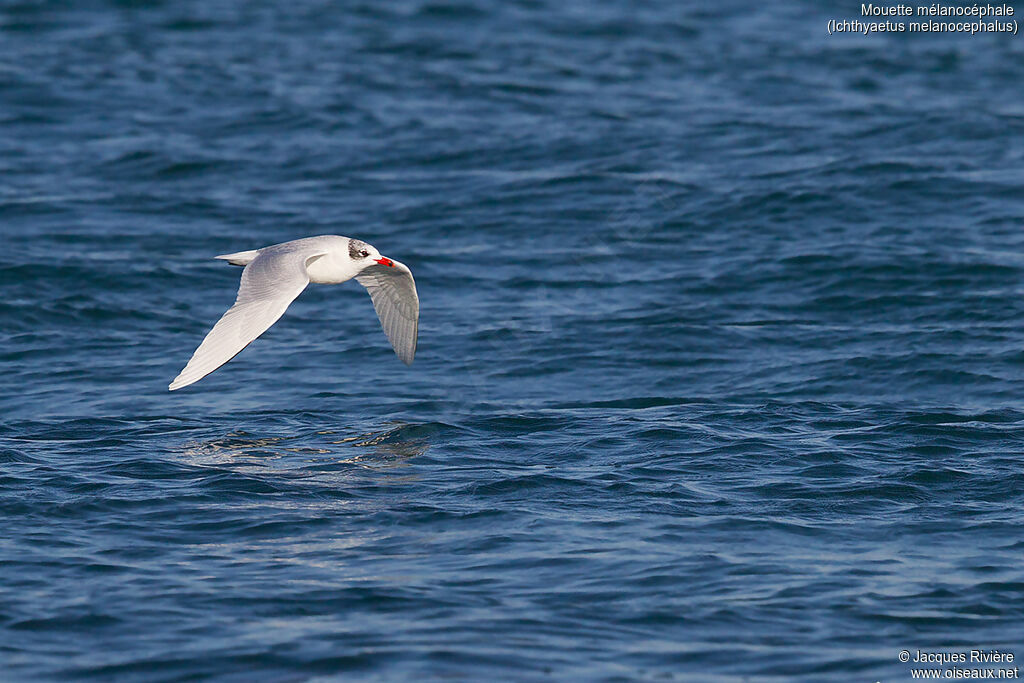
(355,249)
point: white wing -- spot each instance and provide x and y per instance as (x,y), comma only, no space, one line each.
(393,292)
(269,284)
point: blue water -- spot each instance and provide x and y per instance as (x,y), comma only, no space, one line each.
(721,363)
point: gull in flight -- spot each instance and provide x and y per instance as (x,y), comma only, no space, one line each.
(275,275)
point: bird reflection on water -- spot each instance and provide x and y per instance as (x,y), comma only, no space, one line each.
(312,453)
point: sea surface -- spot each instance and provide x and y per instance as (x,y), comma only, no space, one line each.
(721,362)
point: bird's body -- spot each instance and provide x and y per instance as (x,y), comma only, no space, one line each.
(275,275)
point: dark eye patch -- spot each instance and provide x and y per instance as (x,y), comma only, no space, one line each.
(355,249)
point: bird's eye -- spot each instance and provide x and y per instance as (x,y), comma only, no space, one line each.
(364,254)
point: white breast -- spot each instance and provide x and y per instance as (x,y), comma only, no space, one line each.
(334,268)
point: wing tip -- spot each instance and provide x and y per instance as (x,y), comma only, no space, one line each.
(407,356)
(180,382)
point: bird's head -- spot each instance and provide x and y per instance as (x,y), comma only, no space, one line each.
(366,253)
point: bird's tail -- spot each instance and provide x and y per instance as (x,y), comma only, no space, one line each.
(241,258)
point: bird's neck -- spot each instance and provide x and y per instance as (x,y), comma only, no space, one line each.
(332,269)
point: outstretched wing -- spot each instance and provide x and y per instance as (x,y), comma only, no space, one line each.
(393,292)
(270,283)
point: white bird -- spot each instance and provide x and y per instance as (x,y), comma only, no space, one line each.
(275,275)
